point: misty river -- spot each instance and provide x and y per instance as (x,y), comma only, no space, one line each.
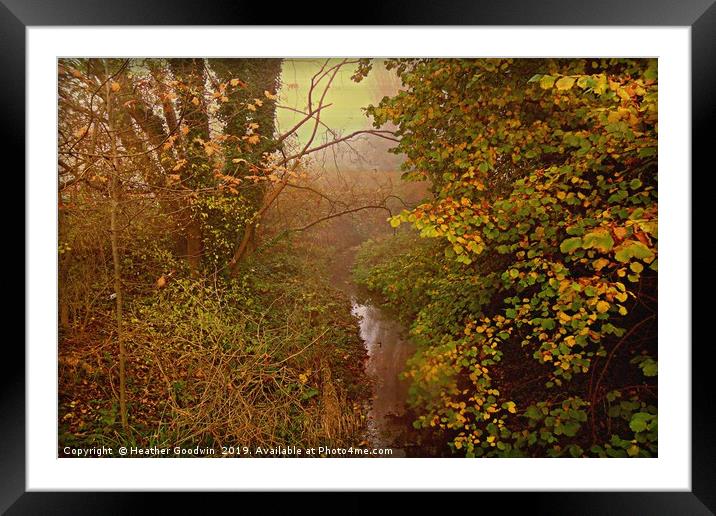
(388,350)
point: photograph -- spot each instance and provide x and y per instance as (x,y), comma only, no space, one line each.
(357,257)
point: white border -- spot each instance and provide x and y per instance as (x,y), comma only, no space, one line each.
(670,471)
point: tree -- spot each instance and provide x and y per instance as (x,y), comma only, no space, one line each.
(544,202)
(141,139)
(115,195)
(284,168)
(168,165)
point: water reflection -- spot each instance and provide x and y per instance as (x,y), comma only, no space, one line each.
(388,350)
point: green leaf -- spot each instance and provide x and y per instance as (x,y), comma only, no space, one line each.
(639,421)
(548,324)
(309,393)
(547,81)
(647,151)
(633,249)
(533,412)
(570,244)
(649,367)
(570,429)
(599,239)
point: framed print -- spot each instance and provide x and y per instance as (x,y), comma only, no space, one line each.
(416,253)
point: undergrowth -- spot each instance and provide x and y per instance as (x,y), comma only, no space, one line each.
(271,357)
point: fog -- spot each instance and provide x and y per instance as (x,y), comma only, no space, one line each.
(344,115)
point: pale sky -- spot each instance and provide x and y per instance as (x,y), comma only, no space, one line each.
(347,96)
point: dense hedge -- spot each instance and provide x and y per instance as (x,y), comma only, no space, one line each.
(535,309)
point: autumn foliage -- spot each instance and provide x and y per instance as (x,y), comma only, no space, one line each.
(534,302)
(175,328)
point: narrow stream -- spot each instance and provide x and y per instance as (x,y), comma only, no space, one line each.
(388,350)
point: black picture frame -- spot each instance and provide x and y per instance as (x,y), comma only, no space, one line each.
(700,15)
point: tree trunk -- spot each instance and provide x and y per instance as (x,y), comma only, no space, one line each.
(243,247)
(191,72)
(193,245)
(114,207)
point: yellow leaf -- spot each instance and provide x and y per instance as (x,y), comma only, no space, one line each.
(269,95)
(565,83)
(195,101)
(636,267)
(620,233)
(234,82)
(602,306)
(600,263)
(115,86)
(546,82)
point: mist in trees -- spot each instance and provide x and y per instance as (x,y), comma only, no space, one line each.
(218,218)
(183,210)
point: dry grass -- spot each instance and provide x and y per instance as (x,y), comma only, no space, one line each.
(205,373)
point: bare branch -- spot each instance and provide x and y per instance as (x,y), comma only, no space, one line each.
(339,214)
